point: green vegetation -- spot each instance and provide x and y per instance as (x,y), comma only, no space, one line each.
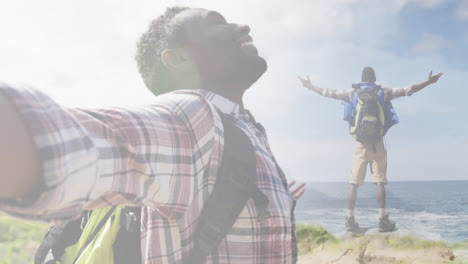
(463,244)
(457,261)
(409,242)
(315,243)
(19,240)
(310,237)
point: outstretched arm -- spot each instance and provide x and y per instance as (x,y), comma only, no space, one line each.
(430,80)
(19,165)
(308,85)
(409,90)
(344,95)
(80,159)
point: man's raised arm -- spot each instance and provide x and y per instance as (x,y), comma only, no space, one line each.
(344,95)
(394,93)
(20,174)
(430,80)
(57,161)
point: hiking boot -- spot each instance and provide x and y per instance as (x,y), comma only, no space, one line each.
(351,225)
(386,225)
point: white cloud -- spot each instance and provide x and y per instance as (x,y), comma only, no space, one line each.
(81,53)
(421,3)
(419,160)
(329,160)
(429,42)
(462,10)
(309,159)
(323,18)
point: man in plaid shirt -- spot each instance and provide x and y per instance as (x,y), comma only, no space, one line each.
(58,161)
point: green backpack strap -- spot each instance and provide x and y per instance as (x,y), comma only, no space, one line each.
(96,230)
(235,184)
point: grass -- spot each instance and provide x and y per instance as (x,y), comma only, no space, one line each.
(19,240)
(409,243)
(457,261)
(463,244)
(310,237)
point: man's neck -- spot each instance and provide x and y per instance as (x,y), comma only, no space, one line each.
(233,92)
(230,90)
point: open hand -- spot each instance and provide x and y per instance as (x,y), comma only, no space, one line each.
(306,82)
(434,78)
(298,191)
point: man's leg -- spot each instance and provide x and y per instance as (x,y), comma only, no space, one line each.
(378,166)
(351,224)
(358,172)
(352,196)
(381,196)
(385,224)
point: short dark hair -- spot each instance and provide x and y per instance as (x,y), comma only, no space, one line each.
(368,75)
(162,33)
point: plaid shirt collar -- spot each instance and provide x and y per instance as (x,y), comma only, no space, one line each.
(222,103)
(229,107)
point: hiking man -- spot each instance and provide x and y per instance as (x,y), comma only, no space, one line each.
(370,114)
(57,161)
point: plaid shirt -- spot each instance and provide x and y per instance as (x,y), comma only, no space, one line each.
(164,157)
(347,95)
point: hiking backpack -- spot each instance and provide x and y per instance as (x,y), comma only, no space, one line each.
(112,234)
(367,119)
(352,112)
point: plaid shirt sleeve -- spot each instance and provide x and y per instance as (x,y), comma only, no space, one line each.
(151,156)
(343,95)
(391,94)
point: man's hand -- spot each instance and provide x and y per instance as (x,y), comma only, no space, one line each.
(430,80)
(298,191)
(434,78)
(306,82)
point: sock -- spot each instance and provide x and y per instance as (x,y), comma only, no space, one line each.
(350,213)
(381,212)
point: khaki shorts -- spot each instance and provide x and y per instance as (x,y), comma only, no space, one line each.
(364,154)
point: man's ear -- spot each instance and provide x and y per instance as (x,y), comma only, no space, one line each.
(176,60)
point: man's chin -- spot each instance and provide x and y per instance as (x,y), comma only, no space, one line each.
(259,68)
(252,74)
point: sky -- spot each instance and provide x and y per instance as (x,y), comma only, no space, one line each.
(82,52)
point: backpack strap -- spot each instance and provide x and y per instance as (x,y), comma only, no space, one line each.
(95,232)
(235,184)
(58,238)
(127,244)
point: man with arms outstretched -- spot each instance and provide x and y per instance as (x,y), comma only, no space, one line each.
(369,150)
(56,161)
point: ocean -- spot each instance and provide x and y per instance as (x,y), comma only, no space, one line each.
(437,210)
